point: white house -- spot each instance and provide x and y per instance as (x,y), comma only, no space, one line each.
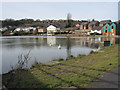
(3,29)
(29,29)
(17,29)
(51,30)
(97,30)
(0,29)
(26,29)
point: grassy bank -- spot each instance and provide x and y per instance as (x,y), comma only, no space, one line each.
(73,72)
(77,35)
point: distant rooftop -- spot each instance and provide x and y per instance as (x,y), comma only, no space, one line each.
(97,28)
(105,21)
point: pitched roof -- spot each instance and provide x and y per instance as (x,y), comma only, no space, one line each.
(51,27)
(117,22)
(97,28)
(84,23)
(105,21)
(93,22)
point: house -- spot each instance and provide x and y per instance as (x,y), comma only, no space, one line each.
(93,24)
(41,30)
(51,30)
(29,29)
(25,29)
(109,29)
(0,29)
(84,25)
(77,25)
(18,29)
(3,29)
(97,30)
(117,27)
(81,32)
(103,22)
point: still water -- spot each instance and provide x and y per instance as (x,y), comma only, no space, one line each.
(45,48)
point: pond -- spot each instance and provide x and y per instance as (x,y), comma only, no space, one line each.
(45,48)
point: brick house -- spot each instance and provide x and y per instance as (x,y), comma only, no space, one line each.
(117,27)
(42,30)
(109,29)
(93,24)
(84,25)
(103,22)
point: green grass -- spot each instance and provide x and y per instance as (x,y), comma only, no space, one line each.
(75,71)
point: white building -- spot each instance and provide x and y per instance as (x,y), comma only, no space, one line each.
(18,29)
(3,29)
(51,30)
(29,29)
(26,29)
(0,29)
(97,30)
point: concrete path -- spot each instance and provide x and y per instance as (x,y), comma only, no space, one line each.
(108,80)
(0,82)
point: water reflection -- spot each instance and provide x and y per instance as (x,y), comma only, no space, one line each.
(46,48)
(68,46)
(51,41)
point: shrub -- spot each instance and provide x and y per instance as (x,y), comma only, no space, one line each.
(93,52)
(70,57)
(91,33)
(79,55)
(61,59)
(58,59)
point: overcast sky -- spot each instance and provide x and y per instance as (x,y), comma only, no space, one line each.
(59,10)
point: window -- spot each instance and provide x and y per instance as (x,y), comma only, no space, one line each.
(106,28)
(105,31)
(112,27)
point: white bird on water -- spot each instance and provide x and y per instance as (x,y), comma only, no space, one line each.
(50,44)
(59,47)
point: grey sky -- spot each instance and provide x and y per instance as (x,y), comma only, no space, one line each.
(59,10)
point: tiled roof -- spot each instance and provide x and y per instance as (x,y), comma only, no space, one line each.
(117,22)
(84,23)
(93,22)
(105,21)
(97,28)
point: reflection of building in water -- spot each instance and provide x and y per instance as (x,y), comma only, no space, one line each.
(81,41)
(51,40)
(40,41)
(88,42)
(112,39)
(94,45)
(96,40)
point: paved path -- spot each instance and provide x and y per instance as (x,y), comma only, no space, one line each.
(0,82)
(108,80)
